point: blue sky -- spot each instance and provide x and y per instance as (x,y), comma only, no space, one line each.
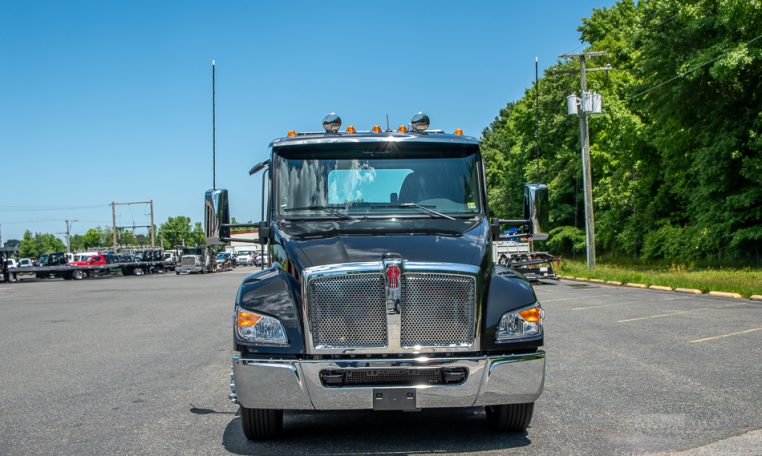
(111,100)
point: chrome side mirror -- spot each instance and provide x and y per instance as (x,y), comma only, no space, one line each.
(536,210)
(216,216)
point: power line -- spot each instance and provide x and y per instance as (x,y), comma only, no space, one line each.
(696,67)
(5,208)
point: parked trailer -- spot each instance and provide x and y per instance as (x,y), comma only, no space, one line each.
(69,272)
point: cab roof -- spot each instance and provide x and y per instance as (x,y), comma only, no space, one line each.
(432,136)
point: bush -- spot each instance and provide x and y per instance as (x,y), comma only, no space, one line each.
(566,240)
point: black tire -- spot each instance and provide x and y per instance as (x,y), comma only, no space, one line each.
(138,271)
(177,272)
(78,275)
(503,261)
(509,418)
(261,424)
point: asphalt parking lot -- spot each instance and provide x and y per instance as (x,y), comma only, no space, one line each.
(139,365)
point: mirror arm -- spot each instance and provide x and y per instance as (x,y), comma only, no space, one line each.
(251,240)
(240,225)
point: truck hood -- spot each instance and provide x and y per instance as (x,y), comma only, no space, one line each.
(468,247)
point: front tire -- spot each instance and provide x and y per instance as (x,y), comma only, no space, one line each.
(261,424)
(510,417)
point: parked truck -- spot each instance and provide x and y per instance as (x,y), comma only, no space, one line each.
(381,292)
(198,260)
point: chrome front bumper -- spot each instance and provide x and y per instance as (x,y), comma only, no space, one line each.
(296,384)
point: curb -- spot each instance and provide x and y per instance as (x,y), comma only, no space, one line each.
(688,290)
(725,294)
(694,291)
(660,288)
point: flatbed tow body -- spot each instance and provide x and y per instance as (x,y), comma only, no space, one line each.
(69,272)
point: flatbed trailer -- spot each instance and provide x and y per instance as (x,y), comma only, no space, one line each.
(69,272)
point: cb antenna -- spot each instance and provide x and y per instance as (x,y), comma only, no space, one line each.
(214,132)
(537,116)
(387,123)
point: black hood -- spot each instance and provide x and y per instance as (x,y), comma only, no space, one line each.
(468,247)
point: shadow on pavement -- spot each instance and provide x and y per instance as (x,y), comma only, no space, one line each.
(369,432)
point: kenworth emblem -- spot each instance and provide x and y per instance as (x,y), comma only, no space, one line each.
(392,273)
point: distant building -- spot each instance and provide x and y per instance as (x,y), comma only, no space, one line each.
(243,245)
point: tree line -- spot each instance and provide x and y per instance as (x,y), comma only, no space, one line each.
(677,171)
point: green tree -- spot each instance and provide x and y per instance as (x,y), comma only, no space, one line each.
(91,238)
(35,245)
(176,231)
(676,160)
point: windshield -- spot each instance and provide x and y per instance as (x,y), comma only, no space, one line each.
(366,184)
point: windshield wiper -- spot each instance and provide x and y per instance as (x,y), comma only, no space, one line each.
(331,210)
(424,208)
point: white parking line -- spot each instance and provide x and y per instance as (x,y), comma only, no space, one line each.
(706,339)
(664,315)
(599,307)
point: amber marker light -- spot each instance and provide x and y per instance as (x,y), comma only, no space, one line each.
(291,133)
(402,129)
(351,130)
(532,315)
(246,319)
(458,132)
(376,129)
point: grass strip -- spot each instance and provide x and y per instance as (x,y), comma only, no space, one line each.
(745,281)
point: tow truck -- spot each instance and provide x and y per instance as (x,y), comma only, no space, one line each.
(381,291)
(54,265)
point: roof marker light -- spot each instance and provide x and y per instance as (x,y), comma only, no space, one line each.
(351,130)
(402,129)
(376,129)
(331,123)
(458,132)
(420,122)
(291,133)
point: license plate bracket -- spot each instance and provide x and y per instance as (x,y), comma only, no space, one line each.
(394,399)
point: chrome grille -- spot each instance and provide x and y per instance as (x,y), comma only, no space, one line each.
(348,311)
(189,261)
(438,310)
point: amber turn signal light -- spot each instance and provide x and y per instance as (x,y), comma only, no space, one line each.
(532,315)
(291,133)
(244,319)
(458,132)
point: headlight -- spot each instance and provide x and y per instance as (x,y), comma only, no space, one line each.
(259,329)
(521,323)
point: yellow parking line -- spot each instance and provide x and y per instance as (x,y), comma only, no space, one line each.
(706,339)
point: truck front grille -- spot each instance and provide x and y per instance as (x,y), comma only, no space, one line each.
(348,311)
(189,261)
(438,310)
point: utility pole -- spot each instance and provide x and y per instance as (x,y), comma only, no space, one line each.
(150,227)
(588,106)
(68,234)
(113,224)
(153,235)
